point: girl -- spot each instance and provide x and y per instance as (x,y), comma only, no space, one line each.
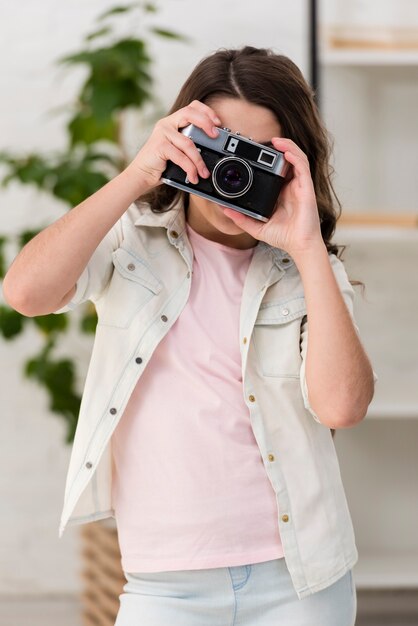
(222,474)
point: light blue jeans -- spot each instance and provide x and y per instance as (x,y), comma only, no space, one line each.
(260,594)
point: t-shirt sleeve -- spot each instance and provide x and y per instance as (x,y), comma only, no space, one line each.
(98,271)
(347,292)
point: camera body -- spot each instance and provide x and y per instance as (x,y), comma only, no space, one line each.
(245,175)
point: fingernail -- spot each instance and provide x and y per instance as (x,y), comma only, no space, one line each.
(205,171)
(215,130)
(217,120)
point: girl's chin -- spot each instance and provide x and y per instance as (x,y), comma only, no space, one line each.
(228,226)
(221,208)
(219,219)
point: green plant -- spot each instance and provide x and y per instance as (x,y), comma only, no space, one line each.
(118,79)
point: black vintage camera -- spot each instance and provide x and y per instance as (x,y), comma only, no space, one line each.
(245,175)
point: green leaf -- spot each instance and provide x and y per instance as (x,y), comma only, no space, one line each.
(11,322)
(169,34)
(75,183)
(118,78)
(106,98)
(88,322)
(29,169)
(78,57)
(102,97)
(38,362)
(98,33)
(121,58)
(51,323)
(3,241)
(84,128)
(71,426)
(58,378)
(117,11)
(149,7)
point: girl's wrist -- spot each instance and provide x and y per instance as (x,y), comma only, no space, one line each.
(312,254)
(132,177)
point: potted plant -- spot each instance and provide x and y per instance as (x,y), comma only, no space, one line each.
(117,87)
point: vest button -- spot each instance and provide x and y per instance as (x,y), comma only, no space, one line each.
(174,234)
(251,398)
(138,359)
(89,465)
(285,311)
(113,411)
(271,457)
(285,518)
(164,318)
(131,266)
(285,260)
(244,340)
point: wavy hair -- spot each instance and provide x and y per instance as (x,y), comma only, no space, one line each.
(271,80)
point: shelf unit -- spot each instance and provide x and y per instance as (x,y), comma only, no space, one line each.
(380,220)
(370,101)
(365,57)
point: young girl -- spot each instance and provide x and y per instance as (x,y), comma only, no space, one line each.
(206,421)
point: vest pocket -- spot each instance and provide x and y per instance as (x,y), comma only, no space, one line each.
(132,285)
(277,336)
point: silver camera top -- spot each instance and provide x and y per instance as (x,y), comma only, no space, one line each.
(234,144)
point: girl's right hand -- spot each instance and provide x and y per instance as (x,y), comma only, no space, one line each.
(167,143)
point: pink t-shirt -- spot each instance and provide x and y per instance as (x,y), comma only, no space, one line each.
(189,487)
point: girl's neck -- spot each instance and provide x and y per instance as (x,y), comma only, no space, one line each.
(202,226)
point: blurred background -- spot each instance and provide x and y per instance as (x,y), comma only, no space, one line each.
(57,145)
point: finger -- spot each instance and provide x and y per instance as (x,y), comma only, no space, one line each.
(204,108)
(178,157)
(283,144)
(186,145)
(190,115)
(294,155)
(247,223)
(300,165)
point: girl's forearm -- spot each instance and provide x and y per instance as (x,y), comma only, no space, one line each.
(49,265)
(339,376)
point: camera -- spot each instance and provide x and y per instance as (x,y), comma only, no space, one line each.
(245,175)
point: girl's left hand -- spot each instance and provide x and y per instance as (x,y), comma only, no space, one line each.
(294,225)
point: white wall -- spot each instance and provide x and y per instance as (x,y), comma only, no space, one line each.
(33,459)
(371,113)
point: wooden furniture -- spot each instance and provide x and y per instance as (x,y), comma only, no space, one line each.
(101,572)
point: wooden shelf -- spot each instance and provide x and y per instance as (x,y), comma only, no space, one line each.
(402,220)
(368,57)
(369,45)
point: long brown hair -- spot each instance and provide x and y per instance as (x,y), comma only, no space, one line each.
(271,80)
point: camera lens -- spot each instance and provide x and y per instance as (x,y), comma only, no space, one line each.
(232,177)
